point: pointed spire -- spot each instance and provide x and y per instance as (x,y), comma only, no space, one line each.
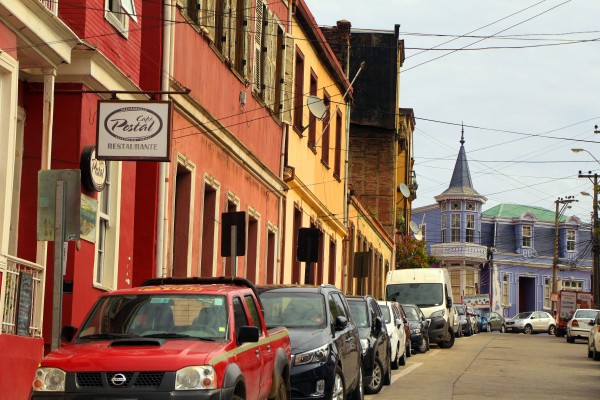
(461,177)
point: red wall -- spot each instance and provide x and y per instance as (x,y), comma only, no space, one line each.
(23,355)
(8,41)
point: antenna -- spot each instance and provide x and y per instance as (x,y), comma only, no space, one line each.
(402,188)
(316,107)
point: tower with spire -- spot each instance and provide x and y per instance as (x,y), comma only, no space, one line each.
(457,219)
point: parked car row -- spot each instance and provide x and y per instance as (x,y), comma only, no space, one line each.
(342,346)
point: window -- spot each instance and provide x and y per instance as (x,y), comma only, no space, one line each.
(470,206)
(312,120)
(526,236)
(253,310)
(455,206)
(239,315)
(337,163)
(443,229)
(210,212)
(506,289)
(253,246)
(443,207)
(470,282)
(571,240)
(325,133)
(107,229)
(299,92)
(116,14)
(572,284)
(455,228)
(470,228)
(547,292)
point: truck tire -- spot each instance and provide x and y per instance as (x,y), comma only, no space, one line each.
(446,344)
(282,390)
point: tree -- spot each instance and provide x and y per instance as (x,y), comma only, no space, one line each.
(412,253)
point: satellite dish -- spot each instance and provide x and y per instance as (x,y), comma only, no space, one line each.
(414,227)
(316,107)
(402,188)
(418,236)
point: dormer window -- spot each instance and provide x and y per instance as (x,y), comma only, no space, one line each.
(470,206)
(527,235)
(443,206)
(570,240)
(455,205)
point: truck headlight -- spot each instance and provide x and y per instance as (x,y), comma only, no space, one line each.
(317,355)
(197,377)
(49,380)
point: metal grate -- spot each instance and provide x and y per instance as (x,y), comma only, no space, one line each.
(89,379)
(149,379)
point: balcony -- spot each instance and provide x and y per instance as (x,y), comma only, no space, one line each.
(51,5)
(463,251)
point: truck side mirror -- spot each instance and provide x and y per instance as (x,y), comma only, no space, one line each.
(247,334)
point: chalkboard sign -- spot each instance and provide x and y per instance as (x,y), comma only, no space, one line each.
(24,299)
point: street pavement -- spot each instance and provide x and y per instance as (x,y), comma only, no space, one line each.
(498,366)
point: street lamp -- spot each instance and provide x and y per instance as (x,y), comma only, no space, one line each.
(578,150)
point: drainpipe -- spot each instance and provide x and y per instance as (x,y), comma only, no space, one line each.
(161,216)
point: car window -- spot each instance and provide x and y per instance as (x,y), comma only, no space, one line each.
(333,308)
(586,313)
(239,315)
(253,311)
(294,310)
(522,315)
(385,311)
(358,310)
(411,313)
(340,304)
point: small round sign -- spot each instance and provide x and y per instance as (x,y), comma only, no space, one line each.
(93,171)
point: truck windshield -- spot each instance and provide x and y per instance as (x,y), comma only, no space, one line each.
(169,316)
(421,294)
(294,310)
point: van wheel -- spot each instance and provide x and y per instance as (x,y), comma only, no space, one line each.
(446,344)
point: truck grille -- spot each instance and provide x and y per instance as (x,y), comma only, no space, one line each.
(113,379)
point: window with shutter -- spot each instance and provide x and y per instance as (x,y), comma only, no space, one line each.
(193,10)
(268,60)
(258,36)
(288,81)
(208,18)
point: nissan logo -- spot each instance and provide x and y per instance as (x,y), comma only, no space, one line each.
(118,379)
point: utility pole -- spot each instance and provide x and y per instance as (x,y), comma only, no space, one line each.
(561,203)
(595,240)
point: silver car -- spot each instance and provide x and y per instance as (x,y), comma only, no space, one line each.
(531,322)
(578,326)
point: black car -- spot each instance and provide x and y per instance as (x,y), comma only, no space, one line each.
(419,327)
(375,342)
(326,353)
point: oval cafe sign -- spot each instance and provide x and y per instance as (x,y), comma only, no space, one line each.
(133,130)
(93,171)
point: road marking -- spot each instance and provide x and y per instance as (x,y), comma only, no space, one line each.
(405,371)
(432,352)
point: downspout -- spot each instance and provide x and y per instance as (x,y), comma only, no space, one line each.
(161,222)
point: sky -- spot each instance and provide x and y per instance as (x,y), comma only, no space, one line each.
(523,76)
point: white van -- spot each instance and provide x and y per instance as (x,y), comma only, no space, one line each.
(430,289)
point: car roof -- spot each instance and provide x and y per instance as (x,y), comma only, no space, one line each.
(218,289)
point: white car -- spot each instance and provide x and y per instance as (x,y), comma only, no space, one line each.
(594,339)
(579,324)
(395,327)
(532,322)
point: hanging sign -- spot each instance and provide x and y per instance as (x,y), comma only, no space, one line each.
(133,130)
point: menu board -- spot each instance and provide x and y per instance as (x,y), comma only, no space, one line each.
(24,299)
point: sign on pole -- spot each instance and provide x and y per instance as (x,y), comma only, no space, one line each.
(133,130)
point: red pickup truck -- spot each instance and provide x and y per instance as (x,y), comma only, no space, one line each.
(171,338)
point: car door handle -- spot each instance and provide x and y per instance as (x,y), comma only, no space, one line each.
(257,352)
(268,347)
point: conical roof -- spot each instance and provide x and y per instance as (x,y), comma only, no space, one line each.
(461,183)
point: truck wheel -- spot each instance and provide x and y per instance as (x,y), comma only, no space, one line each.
(339,388)
(446,344)
(376,383)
